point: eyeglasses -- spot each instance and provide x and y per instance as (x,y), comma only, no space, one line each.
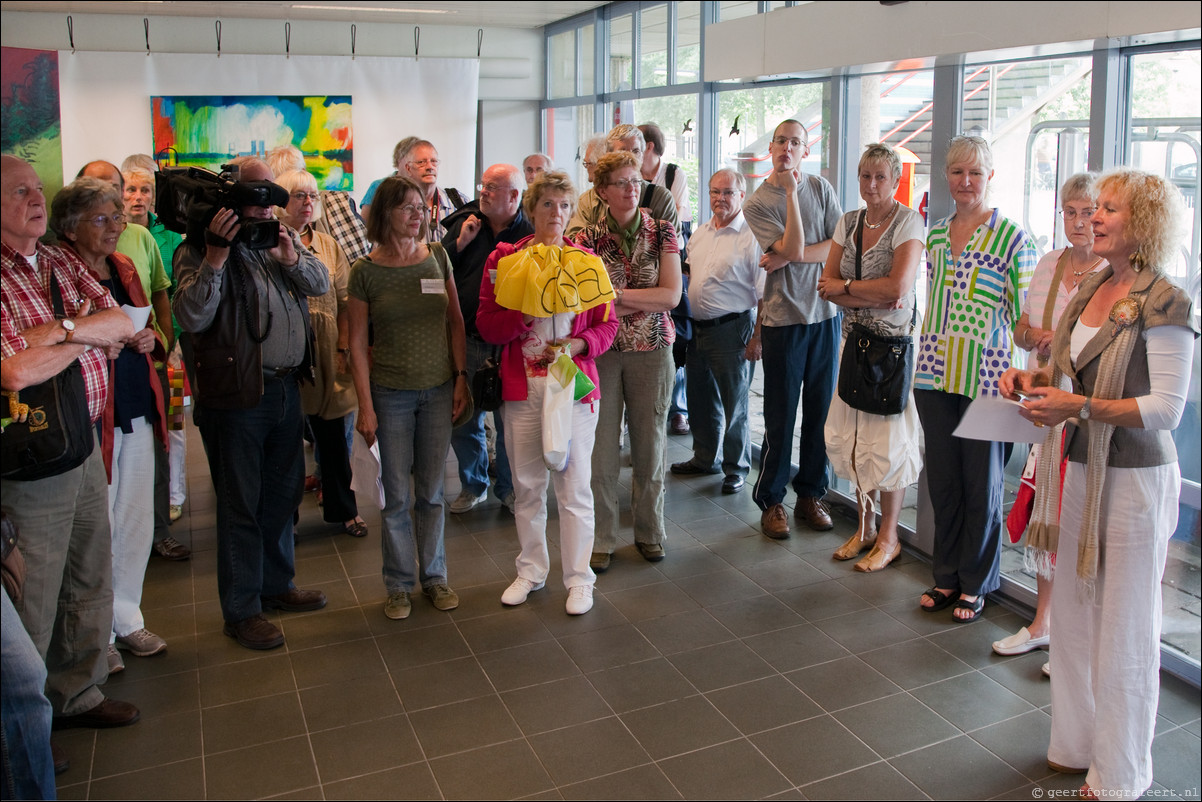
(625,185)
(723,193)
(1070,215)
(426,163)
(304,196)
(103,220)
(492,189)
(409,210)
(787,140)
(588,164)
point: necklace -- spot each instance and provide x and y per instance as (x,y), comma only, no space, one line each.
(885,220)
(1072,258)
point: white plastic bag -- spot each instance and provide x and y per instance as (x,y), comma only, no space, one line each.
(365,471)
(558,400)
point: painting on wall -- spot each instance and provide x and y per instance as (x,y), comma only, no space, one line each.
(208,131)
(29,103)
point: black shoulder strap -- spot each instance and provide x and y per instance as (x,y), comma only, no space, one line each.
(56,296)
(645,199)
(456,199)
(859,241)
(670,176)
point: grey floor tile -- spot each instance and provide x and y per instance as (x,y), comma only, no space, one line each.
(783,573)
(307,630)
(417,781)
(972,701)
(958,769)
(608,744)
(562,703)
(683,725)
(503,771)
(609,647)
(692,562)
(814,749)
(651,601)
(365,747)
(342,703)
(342,662)
(182,780)
(418,647)
(531,664)
(239,774)
(1179,702)
(896,724)
(882,587)
(867,629)
(1021,741)
(225,725)
(733,770)
(755,616)
(719,587)
(148,744)
(763,704)
(1023,675)
(1175,763)
(915,663)
(796,647)
(876,781)
(234,682)
(509,627)
(683,631)
(642,684)
(643,782)
(718,666)
(441,683)
(842,683)
(823,600)
(463,726)
(972,643)
(158,696)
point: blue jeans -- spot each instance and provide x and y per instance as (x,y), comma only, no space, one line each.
(799,364)
(28,765)
(719,378)
(257,462)
(680,397)
(414,432)
(469,443)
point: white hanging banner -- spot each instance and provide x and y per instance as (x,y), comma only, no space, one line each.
(105,102)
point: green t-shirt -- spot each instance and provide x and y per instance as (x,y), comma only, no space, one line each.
(407,307)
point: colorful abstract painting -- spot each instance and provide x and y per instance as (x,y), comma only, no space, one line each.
(208,131)
(29,103)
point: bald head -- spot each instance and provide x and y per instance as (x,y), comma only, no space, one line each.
(535,164)
(253,169)
(500,194)
(105,171)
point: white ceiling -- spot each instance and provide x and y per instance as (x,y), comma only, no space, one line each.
(502,13)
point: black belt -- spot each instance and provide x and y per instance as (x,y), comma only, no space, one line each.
(278,373)
(718,321)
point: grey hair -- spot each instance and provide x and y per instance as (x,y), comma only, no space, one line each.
(76,199)
(620,133)
(285,158)
(141,160)
(740,179)
(132,174)
(1082,186)
(596,143)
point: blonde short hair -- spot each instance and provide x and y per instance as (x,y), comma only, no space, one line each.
(550,181)
(299,181)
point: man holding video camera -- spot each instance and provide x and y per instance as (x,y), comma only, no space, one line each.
(246,345)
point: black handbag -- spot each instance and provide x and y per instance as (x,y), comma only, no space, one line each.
(486,386)
(56,435)
(876,371)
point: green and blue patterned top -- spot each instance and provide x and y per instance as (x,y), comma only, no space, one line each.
(973,304)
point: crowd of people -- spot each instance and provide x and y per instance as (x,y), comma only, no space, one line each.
(375,324)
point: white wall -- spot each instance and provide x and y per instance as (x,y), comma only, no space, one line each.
(510,75)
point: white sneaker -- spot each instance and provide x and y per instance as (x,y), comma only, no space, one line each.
(510,503)
(1020,642)
(465,501)
(580,599)
(142,643)
(1047,669)
(516,593)
(116,664)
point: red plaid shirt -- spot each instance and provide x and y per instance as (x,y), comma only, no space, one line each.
(26,303)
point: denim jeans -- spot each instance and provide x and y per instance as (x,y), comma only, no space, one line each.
(414,432)
(719,379)
(468,441)
(28,765)
(800,362)
(257,462)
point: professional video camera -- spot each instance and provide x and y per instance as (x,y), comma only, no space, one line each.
(188,197)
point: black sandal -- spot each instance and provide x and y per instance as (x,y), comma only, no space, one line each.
(355,529)
(973,606)
(942,601)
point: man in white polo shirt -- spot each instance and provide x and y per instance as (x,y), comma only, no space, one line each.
(725,286)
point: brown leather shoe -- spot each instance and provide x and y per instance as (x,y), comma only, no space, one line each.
(109,713)
(814,512)
(680,424)
(62,763)
(775,522)
(295,601)
(255,632)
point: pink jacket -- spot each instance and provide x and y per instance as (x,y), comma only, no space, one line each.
(500,326)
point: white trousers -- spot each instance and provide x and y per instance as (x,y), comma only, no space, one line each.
(177,460)
(1106,672)
(523,421)
(131,516)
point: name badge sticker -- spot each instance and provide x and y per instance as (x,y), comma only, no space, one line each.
(433,286)
(492,275)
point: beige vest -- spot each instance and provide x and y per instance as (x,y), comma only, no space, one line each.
(1163,304)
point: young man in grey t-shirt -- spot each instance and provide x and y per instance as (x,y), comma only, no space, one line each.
(793,216)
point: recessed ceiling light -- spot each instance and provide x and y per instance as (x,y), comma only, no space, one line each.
(375,8)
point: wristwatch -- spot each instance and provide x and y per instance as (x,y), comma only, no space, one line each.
(1083,414)
(847,287)
(69,327)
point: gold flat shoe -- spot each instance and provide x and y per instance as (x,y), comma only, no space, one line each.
(852,548)
(877,559)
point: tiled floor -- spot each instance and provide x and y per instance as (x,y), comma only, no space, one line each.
(737,668)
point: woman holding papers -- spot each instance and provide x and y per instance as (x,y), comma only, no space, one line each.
(539,298)
(1057,277)
(88,216)
(1125,342)
(978,267)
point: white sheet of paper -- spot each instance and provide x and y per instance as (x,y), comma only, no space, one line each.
(991,417)
(365,471)
(138,314)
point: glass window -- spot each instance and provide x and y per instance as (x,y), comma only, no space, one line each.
(733,9)
(896,109)
(567,130)
(688,42)
(621,50)
(653,46)
(561,62)
(588,47)
(674,115)
(747,117)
